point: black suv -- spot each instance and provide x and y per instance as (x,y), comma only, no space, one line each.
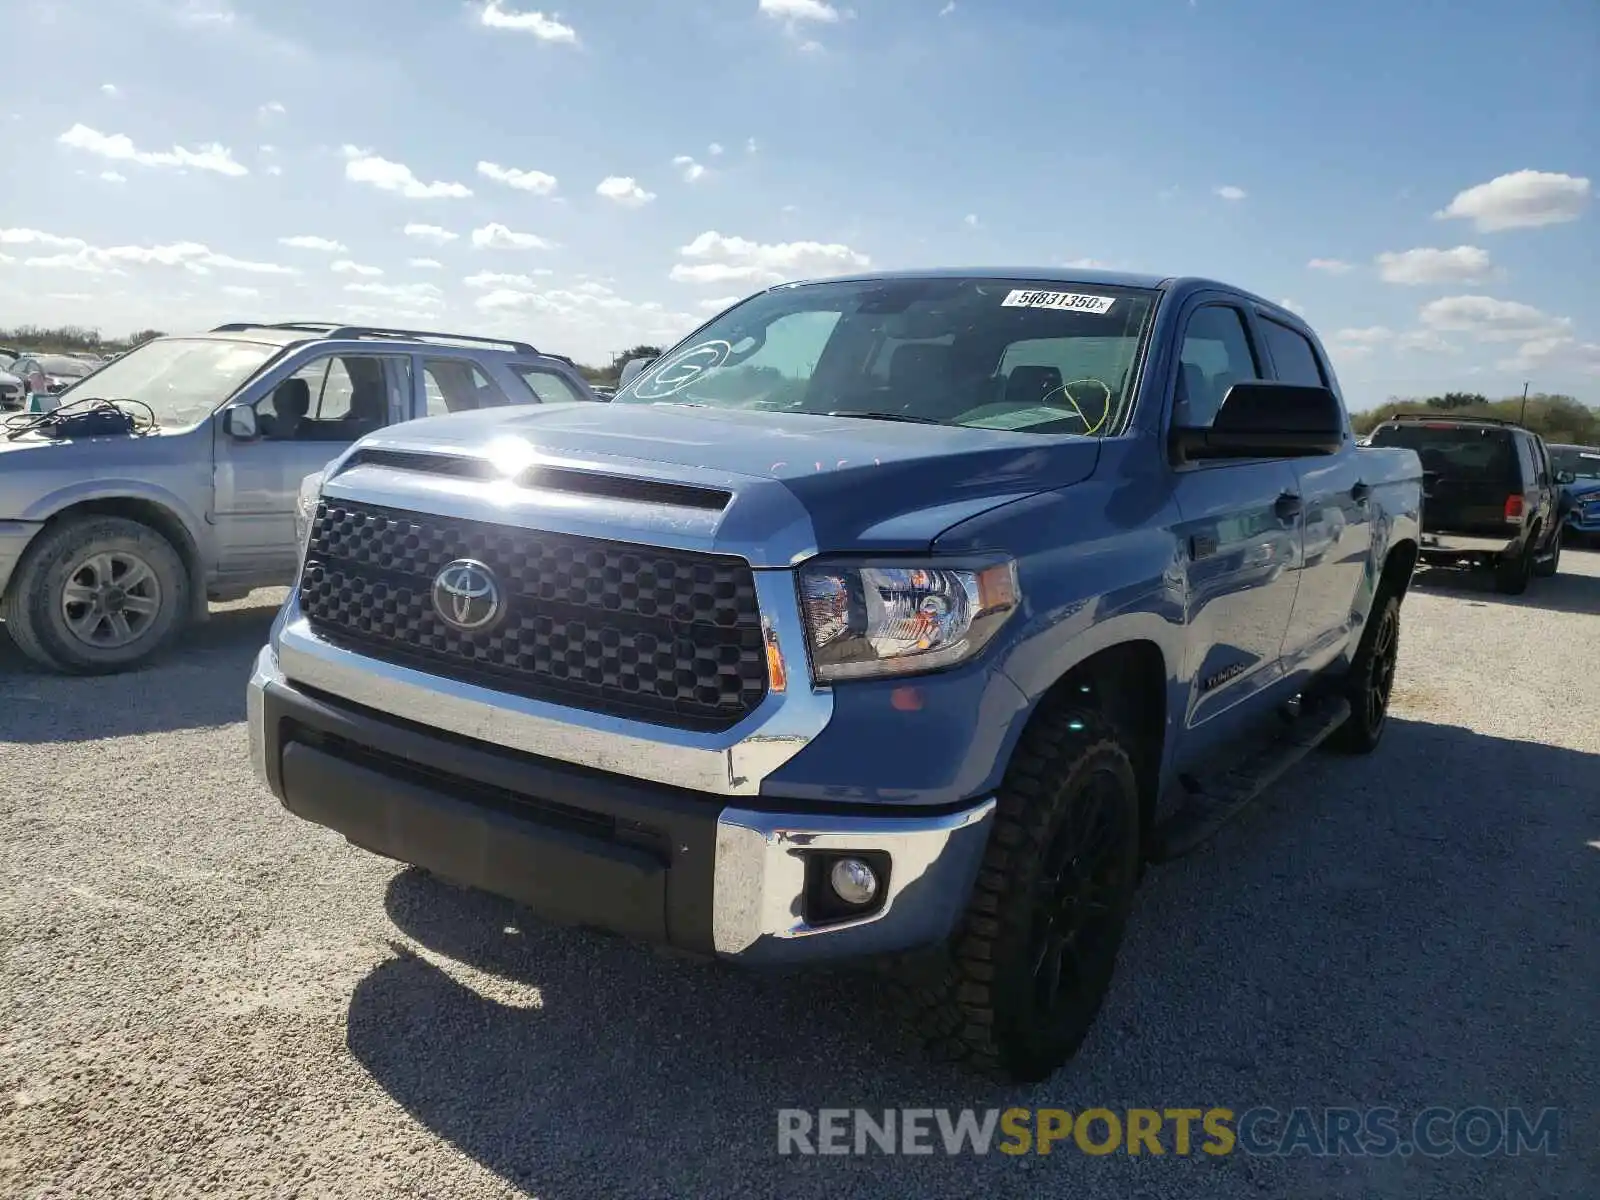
(1489,494)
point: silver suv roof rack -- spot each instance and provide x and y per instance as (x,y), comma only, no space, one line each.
(332,330)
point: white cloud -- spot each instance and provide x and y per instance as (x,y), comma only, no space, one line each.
(1358,343)
(1228,192)
(714,258)
(1425,341)
(113,177)
(717,305)
(1293,306)
(495,236)
(243,293)
(120,147)
(307,241)
(362,166)
(714,149)
(430,233)
(950,7)
(624,190)
(1554,354)
(691,169)
(1426,265)
(111,89)
(422,295)
(494,15)
(1333,266)
(79,255)
(800,10)
(272,108)
(485,279)
(1087,264)
(970,220)
(274,170)
(425,264)
(591,310)
(34,237)
(751,146)
(1520,200)
(537,182)
(1491,320)
(345,267)
(207,12)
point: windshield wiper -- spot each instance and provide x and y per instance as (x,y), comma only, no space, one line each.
(869,415)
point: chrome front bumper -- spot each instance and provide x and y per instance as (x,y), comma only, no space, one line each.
(1464,544)
(758,873)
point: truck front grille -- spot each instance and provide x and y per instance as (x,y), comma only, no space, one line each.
(659,635)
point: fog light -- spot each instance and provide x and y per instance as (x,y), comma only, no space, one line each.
(853,881)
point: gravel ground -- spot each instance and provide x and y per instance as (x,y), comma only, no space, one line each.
(202,995)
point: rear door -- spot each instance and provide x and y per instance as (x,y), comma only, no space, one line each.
(1468,472)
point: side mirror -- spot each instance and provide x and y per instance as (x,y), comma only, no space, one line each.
(631,369)
(1566,477)
(1258,419)
(240,423)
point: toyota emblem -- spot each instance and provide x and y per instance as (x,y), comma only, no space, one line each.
(466,596)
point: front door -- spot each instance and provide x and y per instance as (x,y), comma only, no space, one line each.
(1337,557)
(1239,531)
(304,421)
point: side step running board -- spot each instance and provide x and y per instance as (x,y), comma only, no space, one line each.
(1207,811)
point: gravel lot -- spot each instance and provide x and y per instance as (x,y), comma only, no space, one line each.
(202,995)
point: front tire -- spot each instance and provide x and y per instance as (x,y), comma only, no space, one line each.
(96,595)
(1020,982)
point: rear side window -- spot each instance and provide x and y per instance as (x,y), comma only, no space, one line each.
(457,385)
(1468,453)
(548,386)
(1292,355)
(1529,458)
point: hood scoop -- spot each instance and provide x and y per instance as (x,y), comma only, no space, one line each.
(548,478)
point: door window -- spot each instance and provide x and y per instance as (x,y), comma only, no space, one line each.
(1293,357)
(457,385)
(337,398)
(1216,354)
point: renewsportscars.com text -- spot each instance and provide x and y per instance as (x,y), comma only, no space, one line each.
(1373,1132)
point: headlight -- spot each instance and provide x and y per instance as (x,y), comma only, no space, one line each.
(305,509)
(864,621)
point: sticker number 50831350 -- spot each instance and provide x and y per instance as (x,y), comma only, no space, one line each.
(1070,301)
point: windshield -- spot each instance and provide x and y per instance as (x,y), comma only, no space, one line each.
(1582,461)
(55,364)
(181,379)
(980,352)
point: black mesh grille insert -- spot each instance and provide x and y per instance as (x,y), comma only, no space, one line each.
(659,635)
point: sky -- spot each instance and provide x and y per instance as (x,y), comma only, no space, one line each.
(1417,179)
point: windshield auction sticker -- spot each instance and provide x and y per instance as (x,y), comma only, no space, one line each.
(1069,301)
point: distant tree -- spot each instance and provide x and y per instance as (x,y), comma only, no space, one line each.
(143,336)
(1457,400)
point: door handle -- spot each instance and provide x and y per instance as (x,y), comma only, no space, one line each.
(1287,506)
(1361,491)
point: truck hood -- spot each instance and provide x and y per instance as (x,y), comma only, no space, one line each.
(794,484)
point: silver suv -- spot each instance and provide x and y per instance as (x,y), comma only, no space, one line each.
(169,477)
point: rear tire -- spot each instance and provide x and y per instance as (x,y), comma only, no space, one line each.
(96,595)
(1511,576)
(1019,984)
(1370,681)
(1546,567)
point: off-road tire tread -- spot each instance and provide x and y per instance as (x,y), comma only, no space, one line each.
(947,993)
(25,607)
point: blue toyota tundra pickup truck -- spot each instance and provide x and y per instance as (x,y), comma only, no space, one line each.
(904,617)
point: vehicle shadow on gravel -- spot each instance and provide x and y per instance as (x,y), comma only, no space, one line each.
(1563,592)
(197,683)
(1310,955)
